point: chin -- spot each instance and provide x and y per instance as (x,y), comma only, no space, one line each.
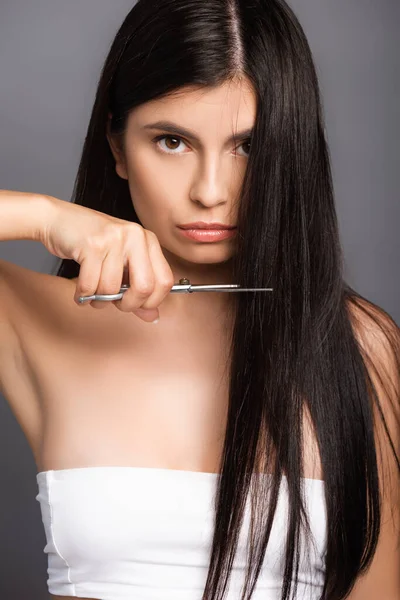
(205,260)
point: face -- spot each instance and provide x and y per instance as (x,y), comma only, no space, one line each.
(189,169)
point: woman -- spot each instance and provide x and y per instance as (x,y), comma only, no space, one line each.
(206,111)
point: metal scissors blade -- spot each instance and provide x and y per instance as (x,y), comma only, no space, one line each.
(183,287)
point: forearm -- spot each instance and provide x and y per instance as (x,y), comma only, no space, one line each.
(24,215)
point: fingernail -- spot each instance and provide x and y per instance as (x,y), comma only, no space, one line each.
(156,321)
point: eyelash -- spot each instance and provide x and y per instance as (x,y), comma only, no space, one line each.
(177,137)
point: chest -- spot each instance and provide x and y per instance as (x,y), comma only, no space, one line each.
(88,395)
(91,390)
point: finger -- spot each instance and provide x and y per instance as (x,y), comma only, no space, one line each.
(89,274)
(164,277)
(141,278)
(110,277)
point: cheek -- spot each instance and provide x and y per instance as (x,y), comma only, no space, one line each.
(153,191)
(142,172)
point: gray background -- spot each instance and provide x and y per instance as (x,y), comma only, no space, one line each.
(51,53)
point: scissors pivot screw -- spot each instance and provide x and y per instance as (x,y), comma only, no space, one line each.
(184,281)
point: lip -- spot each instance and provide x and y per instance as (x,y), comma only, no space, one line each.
(204,225)
(208,235)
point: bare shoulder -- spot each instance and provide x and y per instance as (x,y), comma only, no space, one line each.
(31,305)
(22,300)
(377,331)
(25,290)
(41,306)
(12,277)
(378,337)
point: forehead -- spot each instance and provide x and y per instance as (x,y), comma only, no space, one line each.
(225,108)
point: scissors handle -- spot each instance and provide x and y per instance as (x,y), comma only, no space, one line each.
(180,288)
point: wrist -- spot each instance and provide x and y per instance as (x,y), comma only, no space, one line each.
(45,210)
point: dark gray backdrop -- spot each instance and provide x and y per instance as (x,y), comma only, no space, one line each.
(51,53)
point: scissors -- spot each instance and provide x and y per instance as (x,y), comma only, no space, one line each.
(183,287)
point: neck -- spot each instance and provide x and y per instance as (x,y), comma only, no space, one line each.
(202,303)
(199,273)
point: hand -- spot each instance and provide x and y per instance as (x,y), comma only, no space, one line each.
(110,250)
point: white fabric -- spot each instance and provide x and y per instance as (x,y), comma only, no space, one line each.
(138,533)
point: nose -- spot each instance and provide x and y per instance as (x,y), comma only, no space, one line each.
(210,183)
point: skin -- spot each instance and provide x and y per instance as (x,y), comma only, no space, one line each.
(176,181)
(101,387)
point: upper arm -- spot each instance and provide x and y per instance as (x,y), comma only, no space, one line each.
(380,346)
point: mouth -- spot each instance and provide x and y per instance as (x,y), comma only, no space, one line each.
(201,225)
(207,234)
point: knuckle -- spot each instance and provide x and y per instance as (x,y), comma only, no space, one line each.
(166,283)
(151,235)
(144,287)
(83,289)
(100,241)
(134,229)
(96,243)
(132,235)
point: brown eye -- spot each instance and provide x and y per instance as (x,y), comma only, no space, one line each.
(245,145)
(171,142)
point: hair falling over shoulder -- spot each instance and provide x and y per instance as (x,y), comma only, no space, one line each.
(315,344)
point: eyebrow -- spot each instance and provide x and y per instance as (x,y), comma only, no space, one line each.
(177,129)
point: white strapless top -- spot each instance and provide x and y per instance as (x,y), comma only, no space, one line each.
(139,533)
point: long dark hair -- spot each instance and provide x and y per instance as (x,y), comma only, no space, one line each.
(296,349)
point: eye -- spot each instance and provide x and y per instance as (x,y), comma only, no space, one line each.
(246,143)
(173,141)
